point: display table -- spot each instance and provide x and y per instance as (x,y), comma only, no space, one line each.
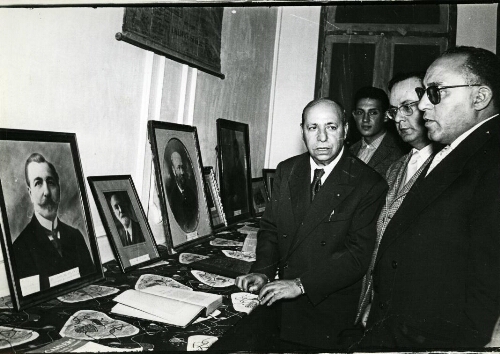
(47,319)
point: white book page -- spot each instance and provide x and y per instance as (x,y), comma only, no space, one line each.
(202,299)
(175,312)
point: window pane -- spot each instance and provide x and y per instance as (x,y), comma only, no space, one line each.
(428,14)
(351,68)
(409,58)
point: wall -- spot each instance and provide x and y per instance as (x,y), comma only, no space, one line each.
(61,69)
(477,25)
(243,96)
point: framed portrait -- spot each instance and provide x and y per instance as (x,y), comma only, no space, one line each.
(179,177)
(268,175)
(233,158)
(259,196)
(124,220)
(48,241)
(213,199)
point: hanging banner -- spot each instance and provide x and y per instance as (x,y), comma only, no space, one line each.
(190,35)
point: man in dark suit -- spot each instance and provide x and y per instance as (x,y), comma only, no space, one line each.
(183,199)
(378,147)
(128,229)
(403,173)
(436,276)
(318,233)
(48,247)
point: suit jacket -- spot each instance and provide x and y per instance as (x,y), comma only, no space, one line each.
(137,236)
(390,149)
(436,275)
(35,254)
(326,243)
(184,207)
(395,195)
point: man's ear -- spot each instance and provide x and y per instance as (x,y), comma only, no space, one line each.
(302,132)
(482,98)
(346,129)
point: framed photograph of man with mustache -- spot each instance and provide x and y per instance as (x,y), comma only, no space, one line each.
(48,241)
(179,177)
(124,220)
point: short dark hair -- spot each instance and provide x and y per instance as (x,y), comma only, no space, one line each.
(404,76)
(373,93)
(38,158)
(323,100)
(480,65)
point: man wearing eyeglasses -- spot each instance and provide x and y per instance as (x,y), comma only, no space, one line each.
(403,173)
(436,276)
(378,147)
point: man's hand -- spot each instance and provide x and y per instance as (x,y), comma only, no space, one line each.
(279,289)
(252,282)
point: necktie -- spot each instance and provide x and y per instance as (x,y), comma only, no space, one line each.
(412,166)
(316,183)
(53,237)
(129,237)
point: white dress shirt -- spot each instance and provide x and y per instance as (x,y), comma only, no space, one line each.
(367,150)
(328,168)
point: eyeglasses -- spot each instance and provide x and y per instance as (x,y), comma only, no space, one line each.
(434,92)
(404,109)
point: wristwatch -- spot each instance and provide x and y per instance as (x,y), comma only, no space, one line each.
(299,284)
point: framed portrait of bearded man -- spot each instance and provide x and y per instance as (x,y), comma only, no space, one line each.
(49,244)
(179,177)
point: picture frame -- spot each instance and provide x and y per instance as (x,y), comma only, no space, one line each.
(124,220)
(48,240)
(213,199)
(268,175)
(259,196)
(233,158)
(183,203)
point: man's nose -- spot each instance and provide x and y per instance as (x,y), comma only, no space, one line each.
(399,117)
(322,136)
(45,189)
(365,118)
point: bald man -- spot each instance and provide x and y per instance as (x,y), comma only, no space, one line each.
(317,233)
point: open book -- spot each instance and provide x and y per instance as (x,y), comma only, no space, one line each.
(159,303)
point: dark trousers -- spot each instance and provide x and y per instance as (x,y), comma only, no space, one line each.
(258,332)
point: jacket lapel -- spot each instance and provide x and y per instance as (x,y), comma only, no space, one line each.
(300,194)
(382,151)
(427,188)
(337,187)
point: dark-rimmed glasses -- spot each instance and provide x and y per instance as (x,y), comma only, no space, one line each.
(434,92)
(404,109)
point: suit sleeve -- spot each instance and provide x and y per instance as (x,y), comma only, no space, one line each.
(267,238)
(347,266)
(483,286)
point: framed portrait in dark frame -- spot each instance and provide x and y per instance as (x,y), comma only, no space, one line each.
(233,157)
(213,199)
(48,240)
(179,178)
(268,175)
(259,196)
(124,220)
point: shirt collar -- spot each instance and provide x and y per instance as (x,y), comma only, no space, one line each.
(374,144)
(425,151)
(462,137)
(328,168)
(45,223)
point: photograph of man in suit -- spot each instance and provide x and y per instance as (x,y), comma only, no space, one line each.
(181,189)
(47,246)
(129,229)
(318,234)
(403,173)
(435,278)
(379,147)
